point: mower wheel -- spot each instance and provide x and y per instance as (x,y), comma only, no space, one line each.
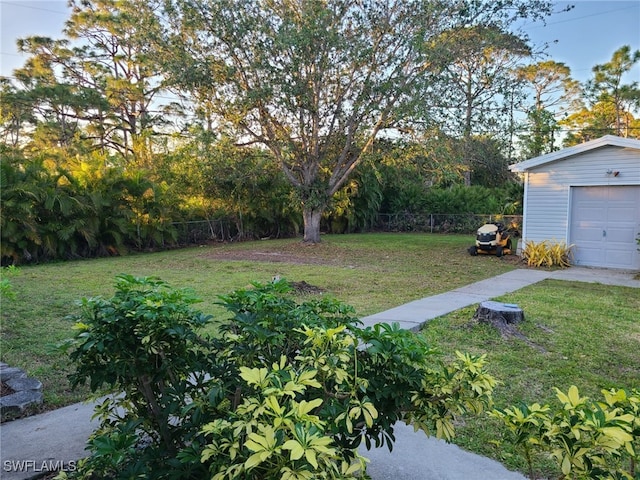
(499,251)
(473,250)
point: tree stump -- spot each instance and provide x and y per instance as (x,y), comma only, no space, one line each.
(504,317)
(496,313)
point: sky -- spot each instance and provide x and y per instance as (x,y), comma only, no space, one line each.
(581,38)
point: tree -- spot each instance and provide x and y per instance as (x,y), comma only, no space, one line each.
(103,87)
(552,86)
(479,76)
(597,120)
(610,103)
(15,113)
(317,81)
(478,85)
(607,86)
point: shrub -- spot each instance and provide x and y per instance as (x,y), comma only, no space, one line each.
(287,390)
(547,254)
(588,439)
(141,345)
(6,288)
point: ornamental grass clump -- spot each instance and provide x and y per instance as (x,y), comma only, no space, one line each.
(547,254)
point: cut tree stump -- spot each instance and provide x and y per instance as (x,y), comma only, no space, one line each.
(504,317)
(497,313)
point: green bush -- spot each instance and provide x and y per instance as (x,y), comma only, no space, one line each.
(141,345)
(87,209)
(6,288)
(287,389)
(455,200)
(589,440)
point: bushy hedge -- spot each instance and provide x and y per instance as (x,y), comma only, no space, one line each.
(51,214)
(290,389)
(287,390)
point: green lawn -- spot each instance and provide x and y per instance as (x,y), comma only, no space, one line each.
(588,334)
(584,334)
(372,272)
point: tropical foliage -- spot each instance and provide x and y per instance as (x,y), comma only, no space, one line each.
(587,439)
(547,254)
(288,390)
(148,113)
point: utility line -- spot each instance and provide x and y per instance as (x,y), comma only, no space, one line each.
(22,5)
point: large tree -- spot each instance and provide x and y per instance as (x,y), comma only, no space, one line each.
(317,81)
(478,86)
(610,102)
(479,78)
(98,82)
(553,91)
(608,87)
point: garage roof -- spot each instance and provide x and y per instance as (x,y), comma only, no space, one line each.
(607,140)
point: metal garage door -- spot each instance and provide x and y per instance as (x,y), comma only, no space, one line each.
(605,222)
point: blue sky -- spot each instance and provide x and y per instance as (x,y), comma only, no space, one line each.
(586,36)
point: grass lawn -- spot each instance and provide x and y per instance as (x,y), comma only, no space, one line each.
(589,334)
(372,272)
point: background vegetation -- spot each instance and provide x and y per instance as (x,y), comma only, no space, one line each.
(105,148)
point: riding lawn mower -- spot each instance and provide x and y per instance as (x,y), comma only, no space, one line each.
(492,239)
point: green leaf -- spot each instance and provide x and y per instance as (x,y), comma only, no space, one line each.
(297,450)
(255,376)
(310,455)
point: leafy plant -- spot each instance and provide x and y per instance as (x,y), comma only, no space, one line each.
(288,389)
(547,254)
(272,434)
(141,346)
(587,439)
(524,423)
(6,288)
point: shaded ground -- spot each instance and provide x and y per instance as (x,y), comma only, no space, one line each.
(305,254)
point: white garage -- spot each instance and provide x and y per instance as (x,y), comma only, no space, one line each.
(588,196)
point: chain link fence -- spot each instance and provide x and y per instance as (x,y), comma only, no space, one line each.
(443,223)
(225,230)
(199,232)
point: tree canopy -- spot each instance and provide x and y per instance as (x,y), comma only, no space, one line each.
(316,82)
(608,102)
(273,114)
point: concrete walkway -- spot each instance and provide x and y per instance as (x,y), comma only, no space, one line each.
(31,446)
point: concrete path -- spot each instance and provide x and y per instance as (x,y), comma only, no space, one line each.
(412,315)
(31,446)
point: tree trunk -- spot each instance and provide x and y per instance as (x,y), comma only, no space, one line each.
(311,218)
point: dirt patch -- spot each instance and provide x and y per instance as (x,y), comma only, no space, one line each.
(274,257)
(297,253)
(304,287)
